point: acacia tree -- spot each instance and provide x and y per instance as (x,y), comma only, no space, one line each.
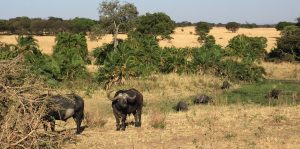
(232,26)
(281,25)
(156,24)
(298,21)
(114,18)
(202,29)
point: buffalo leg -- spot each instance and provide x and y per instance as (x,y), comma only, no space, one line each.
(123,122)
(117,120)
(52,125)
(78,119)
(138,118)
(45,125)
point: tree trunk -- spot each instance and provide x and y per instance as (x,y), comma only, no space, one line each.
(115,36)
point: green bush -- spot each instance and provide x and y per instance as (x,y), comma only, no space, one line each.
(8,51)
(288,45)
(140,56)
(174,60)
(237,62)
(203,27)
(66,40)
(70,63)
(281,25)
(232,26)
(136,56)
(207,57)
(71,54)
(101,53)
(248,49)
(240,71)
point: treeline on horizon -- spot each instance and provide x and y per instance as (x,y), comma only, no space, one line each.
(53,25)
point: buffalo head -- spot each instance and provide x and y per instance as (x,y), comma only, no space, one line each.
(123,99)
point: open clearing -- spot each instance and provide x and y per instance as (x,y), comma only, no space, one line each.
(203,127)
(182,37)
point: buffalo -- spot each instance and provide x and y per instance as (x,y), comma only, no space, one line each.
(181,106)
(202,99)
(273,94)
(225,85)
(63,107)
(126,102)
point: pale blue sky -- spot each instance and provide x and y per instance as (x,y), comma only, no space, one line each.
(215,11)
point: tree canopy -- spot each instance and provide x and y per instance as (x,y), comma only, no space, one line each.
(202,29)
(114,17)
(281,25)
(232,26)
(156,24)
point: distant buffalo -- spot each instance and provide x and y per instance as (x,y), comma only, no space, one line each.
(202,99)
(181,106)
(126,102)
(225,85)
(273,94)
(63,107)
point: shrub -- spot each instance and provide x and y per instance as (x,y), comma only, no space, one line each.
(207,57)
(249,49)
(101,53)
(281,25)
(232,26)
(8,51)
(202,29)
(70,54)
(240,71)
(288,45)
(209,40)
(249,25)
(134,57)
(174,60)
(72,41)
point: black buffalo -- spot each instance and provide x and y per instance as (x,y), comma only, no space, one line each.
(202,99)
(63,107)
(181,106)
(225,85)
(126,102)
(273,94)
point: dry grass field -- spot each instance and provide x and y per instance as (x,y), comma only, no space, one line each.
(219,125)
(203,127)
(282,71)
(185,36)
(182,37)
(206,126)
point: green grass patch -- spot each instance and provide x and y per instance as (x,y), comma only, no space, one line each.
(255,93)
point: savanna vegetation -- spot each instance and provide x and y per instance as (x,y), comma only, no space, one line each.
(165,76)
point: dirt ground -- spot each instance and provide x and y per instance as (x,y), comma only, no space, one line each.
(182,37)
(203,127)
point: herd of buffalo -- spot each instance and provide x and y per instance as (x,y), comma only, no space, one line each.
(124,102)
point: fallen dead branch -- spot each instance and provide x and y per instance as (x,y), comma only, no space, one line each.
(21,109)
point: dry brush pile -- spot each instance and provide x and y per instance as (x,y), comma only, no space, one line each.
(20,109)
